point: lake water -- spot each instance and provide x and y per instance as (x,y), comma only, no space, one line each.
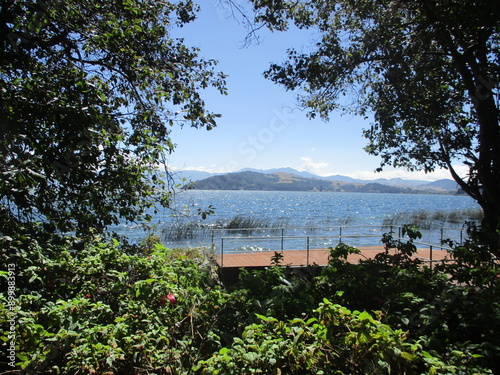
(359,215)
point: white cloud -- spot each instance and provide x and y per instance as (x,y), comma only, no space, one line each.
(319,168)
(407,175)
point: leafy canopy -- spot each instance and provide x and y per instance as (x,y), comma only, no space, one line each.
(89,90)
(427,70)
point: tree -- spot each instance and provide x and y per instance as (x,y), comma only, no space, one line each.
(88,91)
(427,70)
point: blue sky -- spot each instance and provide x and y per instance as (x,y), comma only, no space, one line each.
(261,126)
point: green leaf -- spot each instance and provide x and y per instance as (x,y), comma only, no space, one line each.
(251,356)
(365,316)
(224,351)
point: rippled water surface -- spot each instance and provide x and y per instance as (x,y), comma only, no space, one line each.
(288,209)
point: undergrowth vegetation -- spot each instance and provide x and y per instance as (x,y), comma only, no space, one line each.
(104,307)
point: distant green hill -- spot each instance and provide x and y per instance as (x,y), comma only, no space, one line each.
(290,182)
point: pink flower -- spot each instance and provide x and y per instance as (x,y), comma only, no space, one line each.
(170,297)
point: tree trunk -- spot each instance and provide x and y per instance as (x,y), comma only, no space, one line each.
(488,166)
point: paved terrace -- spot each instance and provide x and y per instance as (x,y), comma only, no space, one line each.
(302,258)
(300,247)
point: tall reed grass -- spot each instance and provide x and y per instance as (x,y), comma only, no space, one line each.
(182,231)
(247,225)
(239,224)
(252,222)
(428,219)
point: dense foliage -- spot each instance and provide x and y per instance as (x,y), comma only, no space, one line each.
(429,71)
(110,309)
(119,309)
(88,91)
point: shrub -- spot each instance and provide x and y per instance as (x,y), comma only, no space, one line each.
(80,306)
(101,310)
(334,341)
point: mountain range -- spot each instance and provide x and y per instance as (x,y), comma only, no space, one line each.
(291,179)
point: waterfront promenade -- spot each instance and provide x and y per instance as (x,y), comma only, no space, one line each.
(303,258)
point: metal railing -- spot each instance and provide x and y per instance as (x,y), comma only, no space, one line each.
(342,231)
(279,240)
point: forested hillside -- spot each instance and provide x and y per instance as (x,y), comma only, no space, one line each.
(290,182)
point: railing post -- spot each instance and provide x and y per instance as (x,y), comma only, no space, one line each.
(431,257)
(308,250)
(340,234)
(222,252)
(282,237)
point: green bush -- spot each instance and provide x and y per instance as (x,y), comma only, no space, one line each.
(101,310)
(336,340)
(95,306)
